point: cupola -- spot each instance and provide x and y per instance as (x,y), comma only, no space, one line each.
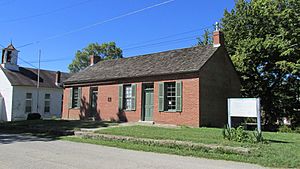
(10,58)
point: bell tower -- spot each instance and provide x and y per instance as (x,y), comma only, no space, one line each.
(10,58)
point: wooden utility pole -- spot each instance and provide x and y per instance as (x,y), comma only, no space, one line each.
(38,82)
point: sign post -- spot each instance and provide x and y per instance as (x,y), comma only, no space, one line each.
(244,107)
(258,115)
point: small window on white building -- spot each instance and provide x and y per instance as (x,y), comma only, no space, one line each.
(28,103)
(47,103)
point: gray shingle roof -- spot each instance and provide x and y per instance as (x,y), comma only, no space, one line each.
(28,77)
(168,62)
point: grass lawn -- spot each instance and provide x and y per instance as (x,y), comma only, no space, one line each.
(280,149)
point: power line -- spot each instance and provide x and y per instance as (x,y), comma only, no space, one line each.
(143,45)
(98,23)
(163,42)
(137,47)
(43,13)
(168,36)
(51,60)
(27,62)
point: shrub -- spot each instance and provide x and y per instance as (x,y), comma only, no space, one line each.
(297,130)
(285,129)
(240,135)
(34,116)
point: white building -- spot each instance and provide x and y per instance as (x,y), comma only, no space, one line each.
(19,95)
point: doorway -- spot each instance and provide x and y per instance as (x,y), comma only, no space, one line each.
(148,102)
(93,101)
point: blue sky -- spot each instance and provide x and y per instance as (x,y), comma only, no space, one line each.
(52,21)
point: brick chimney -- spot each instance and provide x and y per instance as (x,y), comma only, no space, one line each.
(218,36)
(94,59)
(57,78)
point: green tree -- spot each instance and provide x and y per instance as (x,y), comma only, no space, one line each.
(105,51)
(206,38)
(263,40)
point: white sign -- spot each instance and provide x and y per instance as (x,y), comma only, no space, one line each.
(243,107)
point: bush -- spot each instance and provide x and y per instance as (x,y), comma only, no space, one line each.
(287,129)
(297,130)
(240,135)
(34,116)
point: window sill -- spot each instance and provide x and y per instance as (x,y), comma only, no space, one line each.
(170,111)
(128,110)
(75,108)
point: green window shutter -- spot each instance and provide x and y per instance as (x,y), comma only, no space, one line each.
(179,96)
(133,97)
(161,97)
(79,97)
(71,98)
(120,97)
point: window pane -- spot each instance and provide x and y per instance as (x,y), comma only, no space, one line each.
(28,106)
(47,103)
(28,109)
(171,96)
(47,96)
(127,97)
(75,98)
(47,109)
(28,103)
(28,95)
(128,103)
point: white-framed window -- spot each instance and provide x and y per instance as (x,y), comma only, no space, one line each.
(127,97)
(28,103)
(47,103)
(170,96)
(170,89)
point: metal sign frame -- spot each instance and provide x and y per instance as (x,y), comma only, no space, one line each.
(258,113)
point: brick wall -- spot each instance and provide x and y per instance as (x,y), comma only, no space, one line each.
(109,109)
(108,103)
(76,113)
(190,105)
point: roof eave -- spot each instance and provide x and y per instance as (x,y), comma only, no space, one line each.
(115,80)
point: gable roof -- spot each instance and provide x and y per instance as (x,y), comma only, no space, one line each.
(163,63)
(10,47)
(28,77)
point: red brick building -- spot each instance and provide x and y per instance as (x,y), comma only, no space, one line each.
(187,86)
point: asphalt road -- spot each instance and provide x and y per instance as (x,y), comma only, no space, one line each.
(25,152)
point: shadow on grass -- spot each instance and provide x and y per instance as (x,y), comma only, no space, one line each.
(44,130)
(278,141)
